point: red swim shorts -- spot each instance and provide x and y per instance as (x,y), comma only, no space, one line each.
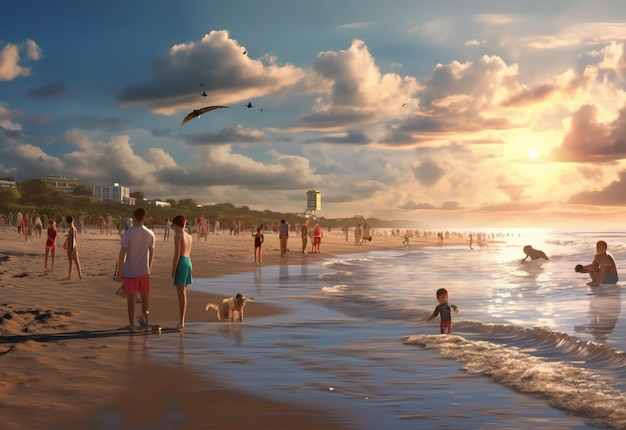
(140,284)
(443,325)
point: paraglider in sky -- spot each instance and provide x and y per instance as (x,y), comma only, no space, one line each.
(197,112)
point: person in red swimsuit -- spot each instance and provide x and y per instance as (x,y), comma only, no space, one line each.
(51,244)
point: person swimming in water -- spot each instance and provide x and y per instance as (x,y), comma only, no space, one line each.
(533,254)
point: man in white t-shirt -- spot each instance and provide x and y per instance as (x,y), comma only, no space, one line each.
(133,266)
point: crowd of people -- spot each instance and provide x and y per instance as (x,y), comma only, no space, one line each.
(137,242)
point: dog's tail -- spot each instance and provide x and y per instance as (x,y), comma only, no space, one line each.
(210,306)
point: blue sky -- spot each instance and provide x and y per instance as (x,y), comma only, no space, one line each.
(451,113)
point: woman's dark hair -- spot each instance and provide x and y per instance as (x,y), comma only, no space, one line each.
(179,220)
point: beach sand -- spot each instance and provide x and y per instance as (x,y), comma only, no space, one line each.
(65,363)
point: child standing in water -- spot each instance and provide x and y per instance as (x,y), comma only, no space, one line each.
(51,244)
(181,265)
(443,309)
(258,241)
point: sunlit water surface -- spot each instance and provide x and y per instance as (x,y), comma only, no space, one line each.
(532,345)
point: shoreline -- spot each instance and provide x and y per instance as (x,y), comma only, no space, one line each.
(96,367)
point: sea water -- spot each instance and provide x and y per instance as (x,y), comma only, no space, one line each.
(532,345)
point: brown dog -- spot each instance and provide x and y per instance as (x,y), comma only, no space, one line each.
(230,309)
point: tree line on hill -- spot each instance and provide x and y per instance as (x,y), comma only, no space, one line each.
(36,196)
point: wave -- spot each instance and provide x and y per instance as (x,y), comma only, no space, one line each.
(335,289)
(580,391)
(547,343)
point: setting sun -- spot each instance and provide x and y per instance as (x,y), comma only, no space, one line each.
(533,153)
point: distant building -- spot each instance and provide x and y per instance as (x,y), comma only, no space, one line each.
(62,183)
(7,184)
(159,204)
(116,193)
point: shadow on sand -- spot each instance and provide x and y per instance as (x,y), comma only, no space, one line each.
(83,334)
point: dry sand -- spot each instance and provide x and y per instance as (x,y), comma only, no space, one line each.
(65,363)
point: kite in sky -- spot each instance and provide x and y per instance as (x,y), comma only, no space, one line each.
(197,112)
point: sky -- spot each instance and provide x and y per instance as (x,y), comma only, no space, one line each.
(449,113)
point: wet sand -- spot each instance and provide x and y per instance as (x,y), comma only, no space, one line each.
(67,364)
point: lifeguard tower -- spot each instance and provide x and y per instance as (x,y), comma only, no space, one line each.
(313,203)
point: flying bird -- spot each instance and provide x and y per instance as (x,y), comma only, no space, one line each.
(244,52)
(203,94)
(249,105)
(197,112)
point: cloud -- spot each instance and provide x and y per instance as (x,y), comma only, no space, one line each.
(109,124)
(578,34)
(495,19)
(357,91)
(33,51)
(6,119)
(592,173)
(428,173)
(353,25)
(24,161)
(352,137)
(9,63)
(591,141)
(475,42)
(214,170)
(220,166)
(445,206)
(48,91)
(228,135)
(10,67)
(531,95)
(460,98)
(517,208)
(613,194)
(216,63)
(613,59)
(410,205)
(450,206)
(558,90)
(469,87)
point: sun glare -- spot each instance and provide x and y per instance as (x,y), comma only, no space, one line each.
(533,153)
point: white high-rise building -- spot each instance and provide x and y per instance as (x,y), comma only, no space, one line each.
(116,193)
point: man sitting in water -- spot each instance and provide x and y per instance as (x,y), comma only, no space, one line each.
(533,253)
(602,270)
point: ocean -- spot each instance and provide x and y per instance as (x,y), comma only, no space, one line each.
(532,345)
